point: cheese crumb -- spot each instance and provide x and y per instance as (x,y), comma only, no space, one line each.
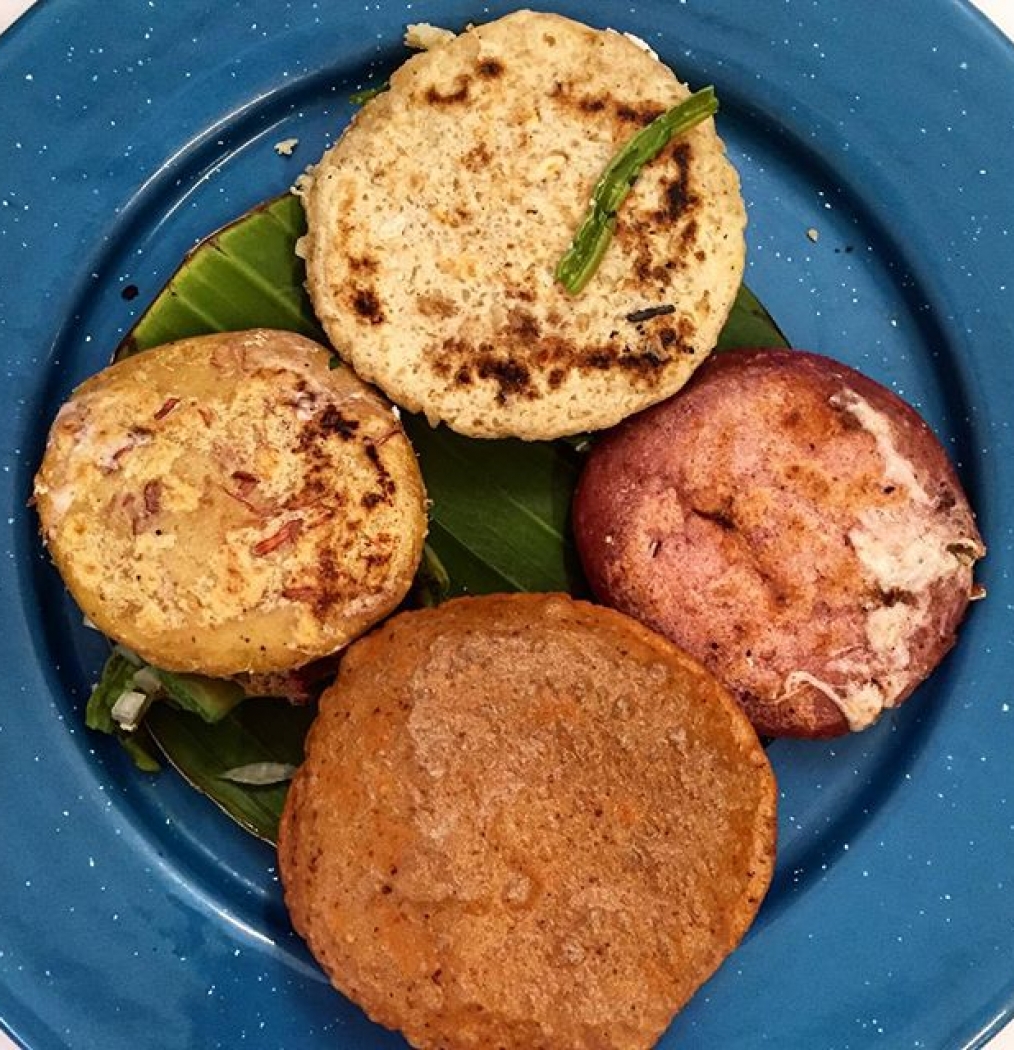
(861,705)
(286,147)
(301,187)
(898,470)
(423,37)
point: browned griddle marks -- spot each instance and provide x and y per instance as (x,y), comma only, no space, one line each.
(332,584)
(688,235)
(510,375)
(523,325)
(642,115)
(436,305)
(490,68)
(567,97)
(527,354)
(478,158)
(384,480)
(458,95)
(363,264)
(678,195)
(367,305)
(329,422)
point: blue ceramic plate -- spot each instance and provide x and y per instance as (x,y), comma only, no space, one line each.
(874,146)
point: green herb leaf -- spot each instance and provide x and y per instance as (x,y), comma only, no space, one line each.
(257,731)
(582,258)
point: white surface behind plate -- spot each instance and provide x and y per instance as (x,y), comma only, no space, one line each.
(1000,11)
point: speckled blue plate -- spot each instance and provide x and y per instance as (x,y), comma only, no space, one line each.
(874,145)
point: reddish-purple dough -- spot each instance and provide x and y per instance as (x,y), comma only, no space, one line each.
(792,524)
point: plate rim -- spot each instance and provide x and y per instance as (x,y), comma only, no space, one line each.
(40,21)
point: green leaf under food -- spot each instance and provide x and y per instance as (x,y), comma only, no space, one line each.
(247,275)
(432,585)
(257,731)
(500,509)
(117,676)
(210,698)
(579,263)
(750,325)
(141,748)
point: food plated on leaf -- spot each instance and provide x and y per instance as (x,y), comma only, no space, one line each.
(269,509)
(525,821)
(232,504)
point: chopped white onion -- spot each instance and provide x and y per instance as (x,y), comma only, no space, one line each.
(129,709)
(259,774)
(146,680)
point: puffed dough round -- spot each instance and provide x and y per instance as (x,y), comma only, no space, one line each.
(795,526)
(525,822)
(435,225)
(230,503)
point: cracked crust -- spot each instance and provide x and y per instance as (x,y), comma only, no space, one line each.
(230,504)
(795,526)
(436,222)
(525,822)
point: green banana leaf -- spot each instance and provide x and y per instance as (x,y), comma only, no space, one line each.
(210,698)
(256,731)
(247,275)
(117,676)
(499,519)
(750,325)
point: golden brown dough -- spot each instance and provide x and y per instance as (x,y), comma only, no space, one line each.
(230,503)
(525,822)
